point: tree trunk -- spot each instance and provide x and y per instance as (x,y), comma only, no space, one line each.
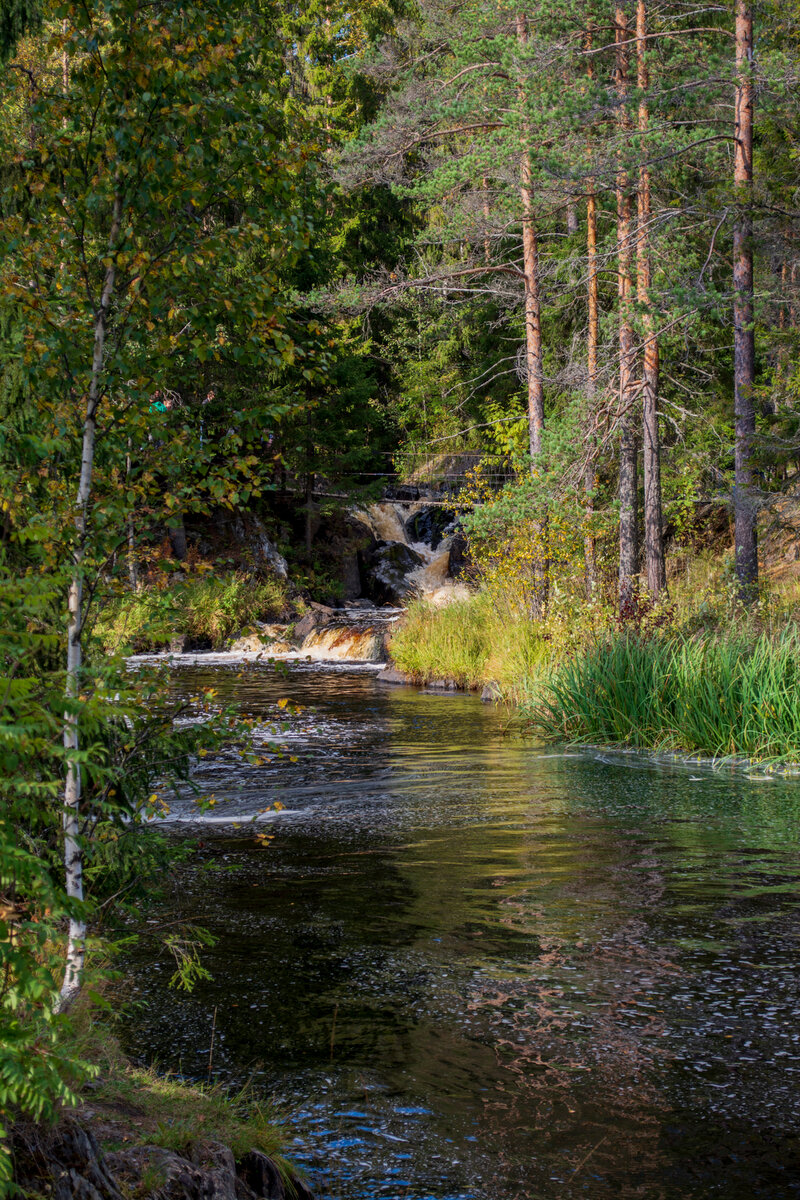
(530,264)
(593,341)
(533,342)
(133,566)
(744,350)
(589,547)
(651,446)
(73,850)
(628,482)
(487,246)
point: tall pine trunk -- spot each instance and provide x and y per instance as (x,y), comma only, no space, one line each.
(628,450)
(651,447)
(73,849)
(533,340)
(590,476)
(593,341)
(744,350)
(530,267)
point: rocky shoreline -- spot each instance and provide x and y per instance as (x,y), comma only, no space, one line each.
(67,1163)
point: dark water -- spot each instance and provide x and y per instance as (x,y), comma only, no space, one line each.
(470,968)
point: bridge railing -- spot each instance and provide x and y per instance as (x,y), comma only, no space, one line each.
(454,471)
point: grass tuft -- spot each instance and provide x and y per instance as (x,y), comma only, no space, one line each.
(473,641)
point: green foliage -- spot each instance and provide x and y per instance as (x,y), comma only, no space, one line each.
(207,609)
(17,17)
(724,695)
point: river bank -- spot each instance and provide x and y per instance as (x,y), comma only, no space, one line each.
(138,1131)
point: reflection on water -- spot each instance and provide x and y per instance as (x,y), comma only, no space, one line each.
(470,968)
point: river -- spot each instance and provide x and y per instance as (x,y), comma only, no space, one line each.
(468,967)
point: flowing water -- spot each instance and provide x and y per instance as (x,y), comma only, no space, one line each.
(466,967)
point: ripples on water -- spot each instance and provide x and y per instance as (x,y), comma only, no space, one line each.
(468,968)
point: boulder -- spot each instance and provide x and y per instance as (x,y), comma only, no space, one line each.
(65,1163)
(208,1174)
(262,1176)
(385,570)
(430,524)
(393,675)
(459,561)
(304,627)
(252,538)
(261,643)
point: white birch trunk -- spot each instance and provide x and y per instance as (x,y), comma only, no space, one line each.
(73,849)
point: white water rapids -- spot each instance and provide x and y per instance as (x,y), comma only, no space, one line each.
(388,521)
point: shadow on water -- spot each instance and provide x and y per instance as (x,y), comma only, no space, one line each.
(470,968)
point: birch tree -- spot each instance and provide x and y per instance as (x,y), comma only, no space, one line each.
(127,262)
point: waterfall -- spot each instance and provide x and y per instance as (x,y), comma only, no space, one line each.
(389,522)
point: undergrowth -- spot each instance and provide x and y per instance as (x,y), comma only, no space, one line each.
(207,609)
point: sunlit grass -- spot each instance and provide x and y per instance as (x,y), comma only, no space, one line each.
(472,641)
(204,608)
(722,694)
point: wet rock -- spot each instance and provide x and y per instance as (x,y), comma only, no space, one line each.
(304,627)
(491,693)
(459,561)
(299,1189)
(261,643)
(361,604)
(394,676)
(178,644)
(442,685)
(323,613)
(350,576)
(429,525)
(262,1176)
(385,570)
(405,492)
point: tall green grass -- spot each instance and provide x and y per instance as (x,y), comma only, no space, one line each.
(721,695)
(472,641)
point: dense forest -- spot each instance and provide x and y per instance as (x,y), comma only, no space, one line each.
(255,256)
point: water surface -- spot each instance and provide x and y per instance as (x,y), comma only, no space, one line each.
(470,968)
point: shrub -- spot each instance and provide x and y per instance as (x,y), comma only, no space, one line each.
(207,609)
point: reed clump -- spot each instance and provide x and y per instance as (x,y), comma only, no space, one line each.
(722,694)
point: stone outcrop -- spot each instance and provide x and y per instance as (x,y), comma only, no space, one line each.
(67,1164)
(430,524)
(385,570)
